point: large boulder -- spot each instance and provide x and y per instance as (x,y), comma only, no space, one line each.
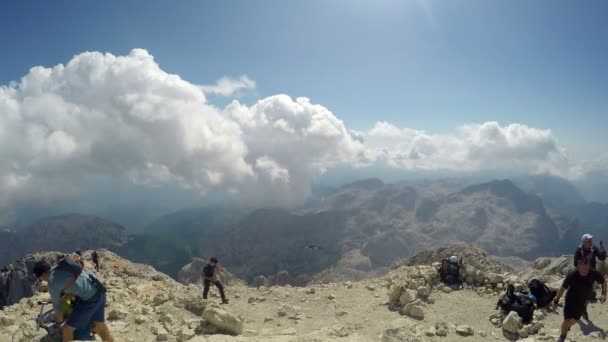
(20,282)
(223,320)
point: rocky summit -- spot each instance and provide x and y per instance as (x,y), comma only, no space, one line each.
(407,304)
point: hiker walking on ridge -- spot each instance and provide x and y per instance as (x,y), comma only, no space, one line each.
(590,253)
(95,259)
(578,284)
(68,278)
(210,277)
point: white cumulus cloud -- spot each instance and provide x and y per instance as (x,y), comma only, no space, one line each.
(472,147)
(123,117)
(227,86)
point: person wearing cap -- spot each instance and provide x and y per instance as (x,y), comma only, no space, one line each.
(589,253)
(586,250)
(88,310)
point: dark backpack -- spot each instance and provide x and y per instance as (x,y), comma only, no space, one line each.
(75,267)
(517,301)
(544,295)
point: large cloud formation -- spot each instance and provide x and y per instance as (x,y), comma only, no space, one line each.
(472,147)
(124,118)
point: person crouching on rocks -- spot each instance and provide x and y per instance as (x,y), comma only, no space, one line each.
(210,277)
(579,284)
(89,308)
(449,272)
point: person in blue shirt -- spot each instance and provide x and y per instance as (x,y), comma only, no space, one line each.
(210,277)
(89,307)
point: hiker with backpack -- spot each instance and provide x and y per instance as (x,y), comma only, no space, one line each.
(69,278)
(449,272)
(210,277)
(578,284)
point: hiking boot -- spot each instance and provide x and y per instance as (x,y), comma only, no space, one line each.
(225,301)
(561,339)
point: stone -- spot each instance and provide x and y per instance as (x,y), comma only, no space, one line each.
(446,289)
(340,331)
(441,325)
(166,318)
(331,296)
(416,312)
(442,332)
(464,330)
(408,296)
(371,287)
(223,320)
(185,334)
(523,332)
(495,278)
(311,290)
(289,332)
(400,334)
(141,319)
(431,332)
(162,336)
(431,300)
(424,292)
(512,323)
(195,306)
(394,292)
(5,321)
(117,314)
(405,310)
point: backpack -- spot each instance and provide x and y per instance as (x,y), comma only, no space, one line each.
(544,295)
(517,301)
(75,267)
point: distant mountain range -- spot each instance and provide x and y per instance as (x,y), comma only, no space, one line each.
(356,230)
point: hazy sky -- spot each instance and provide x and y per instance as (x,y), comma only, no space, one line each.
(424,85)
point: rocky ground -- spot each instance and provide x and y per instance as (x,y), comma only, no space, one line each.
(408,304)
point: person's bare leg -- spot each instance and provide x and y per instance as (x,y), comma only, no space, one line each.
(67,332)
(102,330)
(566,325)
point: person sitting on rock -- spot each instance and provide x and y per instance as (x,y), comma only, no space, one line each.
(579,284)
(89,307)
(210,277)
(449,272)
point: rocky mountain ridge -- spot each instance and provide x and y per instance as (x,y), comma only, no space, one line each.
(408,304)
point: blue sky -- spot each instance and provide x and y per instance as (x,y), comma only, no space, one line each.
(430,65)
